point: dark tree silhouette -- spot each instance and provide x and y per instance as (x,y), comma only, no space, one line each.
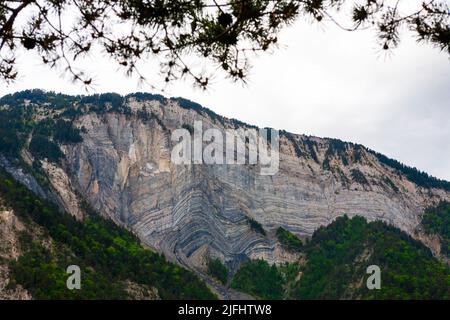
(224,32)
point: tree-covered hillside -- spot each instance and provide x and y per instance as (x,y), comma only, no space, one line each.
(335,261)
(436,220)
(109,255)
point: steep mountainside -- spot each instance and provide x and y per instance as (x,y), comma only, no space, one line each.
(39,242)
(123,167)
(114,152)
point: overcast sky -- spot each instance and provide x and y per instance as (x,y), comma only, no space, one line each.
(324,82)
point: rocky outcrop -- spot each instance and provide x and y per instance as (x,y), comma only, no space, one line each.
(23,177)
(58,187)
(60,182)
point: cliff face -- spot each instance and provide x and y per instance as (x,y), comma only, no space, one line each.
(123,168)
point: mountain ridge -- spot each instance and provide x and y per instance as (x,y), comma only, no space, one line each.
(114,153)
(41,95)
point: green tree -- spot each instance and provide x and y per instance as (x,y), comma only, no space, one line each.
(217,270)
(289,240)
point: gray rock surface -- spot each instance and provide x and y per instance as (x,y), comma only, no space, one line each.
(188,212)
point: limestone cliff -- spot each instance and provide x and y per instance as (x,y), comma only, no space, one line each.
(123,169)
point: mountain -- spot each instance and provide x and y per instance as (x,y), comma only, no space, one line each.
(110,156)
(39,242)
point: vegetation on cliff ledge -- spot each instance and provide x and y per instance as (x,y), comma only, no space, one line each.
(217,269)
(256,226)
(289,240)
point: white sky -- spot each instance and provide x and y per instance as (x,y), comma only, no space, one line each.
(324,82)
